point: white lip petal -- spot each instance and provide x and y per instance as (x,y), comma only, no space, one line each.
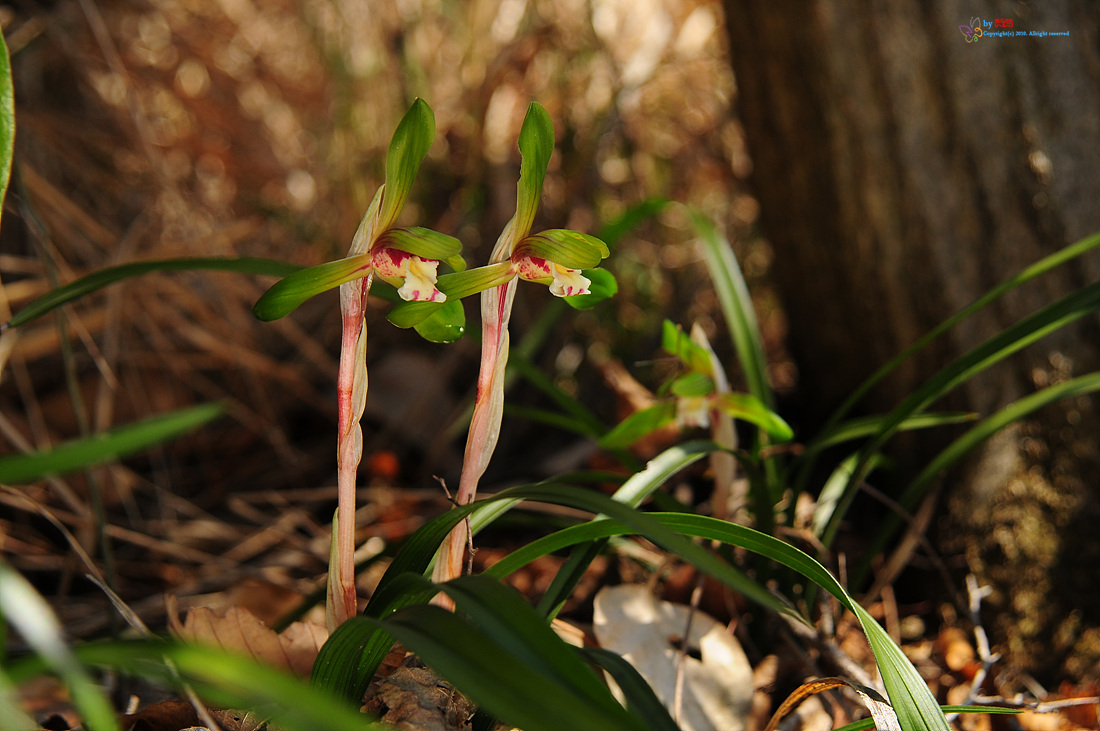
(568,282)
(420,281)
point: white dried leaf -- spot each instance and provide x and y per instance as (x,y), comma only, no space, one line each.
(649,632)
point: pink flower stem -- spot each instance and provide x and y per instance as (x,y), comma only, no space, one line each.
(351,386)
(496,310)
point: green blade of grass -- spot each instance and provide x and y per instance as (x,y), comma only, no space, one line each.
(500,611)
(909,695)
(737,307)
(25,608)
(1010,340)
(223,679)
(1037,269)
(104,277)
(866,426)
(108,445)
(639,696)
(492,676)
(959,448)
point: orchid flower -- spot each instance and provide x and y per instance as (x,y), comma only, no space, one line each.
(408,259)
(555,257)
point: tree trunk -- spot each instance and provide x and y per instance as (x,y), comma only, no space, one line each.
(902,172)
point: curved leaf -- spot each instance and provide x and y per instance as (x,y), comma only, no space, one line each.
(112,444)
(99,279)
(291,291)
(748,408)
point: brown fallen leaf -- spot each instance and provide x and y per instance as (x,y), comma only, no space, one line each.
(239,630)
(416,699)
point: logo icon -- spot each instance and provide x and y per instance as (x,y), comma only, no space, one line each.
(973,31)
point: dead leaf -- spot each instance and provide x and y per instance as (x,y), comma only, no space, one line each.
(416,699)
(649,633)
(881,710)
(239,630)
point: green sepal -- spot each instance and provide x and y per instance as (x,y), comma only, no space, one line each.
(638,425)
(410,143)
(692,384)
(291,291)
(603,285)
(748,408)
(675,341)
(456,286)
(445,325)
(422,242)
(536,145)
(568,249)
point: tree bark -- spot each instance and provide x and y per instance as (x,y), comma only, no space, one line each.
(902,172)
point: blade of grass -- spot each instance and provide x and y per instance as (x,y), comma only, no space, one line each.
(639,696)
(1037,269)
(104,277)
(223,679)
(108,445)
(25,608)
(495,678)
(909,695)
(959,448)
(1010,340)
(737,307)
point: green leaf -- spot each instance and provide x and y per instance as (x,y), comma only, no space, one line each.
(445,325)
(536,145)
(979,433)
(569,249)
(411,141)
(495,678)
(222,679)
(675,341)
(291,291)
(28,612)
(748,408)
(104,277)
(422,242)
(108,445)
(456,286)
(737,307)
(1037,269)
(640,698)
(692,384)
(638,425)
(348,660)
(909,694)
(7,119)
(500,611)
(602,286)
(866,426)
(1010,340)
